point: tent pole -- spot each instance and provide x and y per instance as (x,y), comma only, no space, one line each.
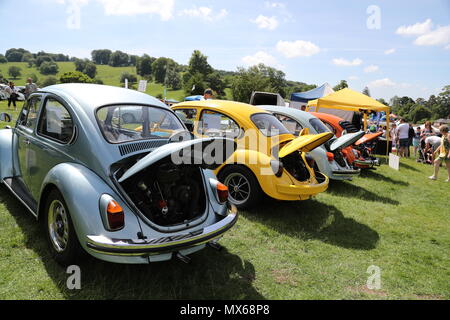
(388,133)
(365,121)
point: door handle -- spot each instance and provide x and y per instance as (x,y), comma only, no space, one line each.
(27,142)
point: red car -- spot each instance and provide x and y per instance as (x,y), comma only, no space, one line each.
(359,155)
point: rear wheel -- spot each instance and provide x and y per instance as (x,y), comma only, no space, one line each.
(243,187)
(63,241)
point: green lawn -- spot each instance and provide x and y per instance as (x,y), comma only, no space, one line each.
(315,249)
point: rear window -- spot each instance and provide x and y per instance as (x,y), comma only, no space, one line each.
(318,125)
(268,124)
(124,123)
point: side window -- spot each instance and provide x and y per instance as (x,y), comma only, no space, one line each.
(329,126)
(216,124)
(28,116)
(187,116)
(292,125)
(56,122)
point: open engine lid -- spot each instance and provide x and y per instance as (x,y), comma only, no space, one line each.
(368,137)
(208,153)
(346,140)
(305,143)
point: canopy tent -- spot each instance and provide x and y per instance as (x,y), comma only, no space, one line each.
(350,100)
(300,99)
(193,98)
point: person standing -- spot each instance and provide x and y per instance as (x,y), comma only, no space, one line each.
(444,153)
(416,142)
(30,88)
(208,94)
(12,91)
(403,137)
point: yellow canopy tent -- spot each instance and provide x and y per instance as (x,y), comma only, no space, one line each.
(347,99)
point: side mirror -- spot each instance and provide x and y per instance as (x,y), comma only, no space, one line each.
(5,117)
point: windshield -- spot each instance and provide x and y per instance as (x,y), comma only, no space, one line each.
(318,125)
(129,123)
(268,124)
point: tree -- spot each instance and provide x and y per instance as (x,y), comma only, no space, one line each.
(14,72)
(101,56)
(160,67)
(366,91)
(144,65)
(3,59)
(90,69)
(119,59)
(173,79)
(49,81)
(43,58)
(195,85)
(47,68)
(199,64)
(132,78)
(75,77)
(15,55)
(215,82)
(341,85)
(256,78)
(34,77)
(420,113)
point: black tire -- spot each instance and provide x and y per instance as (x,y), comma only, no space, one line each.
(229,175)
(66,251)
(128,118)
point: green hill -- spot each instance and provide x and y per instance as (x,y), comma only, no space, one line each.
(109,75)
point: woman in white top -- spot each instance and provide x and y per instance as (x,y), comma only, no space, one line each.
(12,91)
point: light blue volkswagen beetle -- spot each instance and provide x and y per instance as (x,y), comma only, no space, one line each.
(109,187)
(328,157)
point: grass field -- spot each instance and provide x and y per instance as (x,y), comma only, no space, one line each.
(315,249)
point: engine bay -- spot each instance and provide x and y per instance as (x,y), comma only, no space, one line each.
(295,165)
(168,194)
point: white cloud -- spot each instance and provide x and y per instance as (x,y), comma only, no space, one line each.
(346,63)
(415,29)
(275,5)
(447,47)
(297,48)
(353,78)
(163,8)
(440,36)
(263,22)
(371,68)
(389,51)
(204,13)
(261,57)
(386,82)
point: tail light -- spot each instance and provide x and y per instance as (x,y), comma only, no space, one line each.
(330,156)
(222,192)
(115,215)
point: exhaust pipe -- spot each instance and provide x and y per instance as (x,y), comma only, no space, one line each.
(183,258)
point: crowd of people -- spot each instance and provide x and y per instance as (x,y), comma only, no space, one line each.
(13,93)
(429,145)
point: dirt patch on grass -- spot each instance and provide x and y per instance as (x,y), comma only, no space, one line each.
(364,289)
(284,276)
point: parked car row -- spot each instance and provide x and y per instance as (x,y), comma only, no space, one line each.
(117,174)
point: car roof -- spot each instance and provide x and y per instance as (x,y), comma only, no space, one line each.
(233,107)
(290,111)
(327,116)
(91,96)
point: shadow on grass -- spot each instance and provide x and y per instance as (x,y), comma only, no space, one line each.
(210,275)
(312,219)
(408,167)
(346,189)
(376,176)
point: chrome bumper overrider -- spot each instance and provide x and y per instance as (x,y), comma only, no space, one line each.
(146,247)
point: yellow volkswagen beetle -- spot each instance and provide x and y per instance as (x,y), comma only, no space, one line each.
(268,158)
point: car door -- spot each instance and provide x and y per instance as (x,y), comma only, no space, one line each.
(52,142)
(23,135)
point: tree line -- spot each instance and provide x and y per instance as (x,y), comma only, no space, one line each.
(198,75)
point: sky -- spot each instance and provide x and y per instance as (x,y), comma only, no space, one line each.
(393,47)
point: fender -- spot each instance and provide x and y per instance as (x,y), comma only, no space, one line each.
(81,189)
(259,164)
(6,159)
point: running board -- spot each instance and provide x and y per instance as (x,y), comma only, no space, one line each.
(19,190)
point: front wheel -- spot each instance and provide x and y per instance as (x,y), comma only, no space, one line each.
(63,241)
(244,190)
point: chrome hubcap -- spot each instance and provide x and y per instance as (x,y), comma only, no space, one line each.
(239,188)
(58,225)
